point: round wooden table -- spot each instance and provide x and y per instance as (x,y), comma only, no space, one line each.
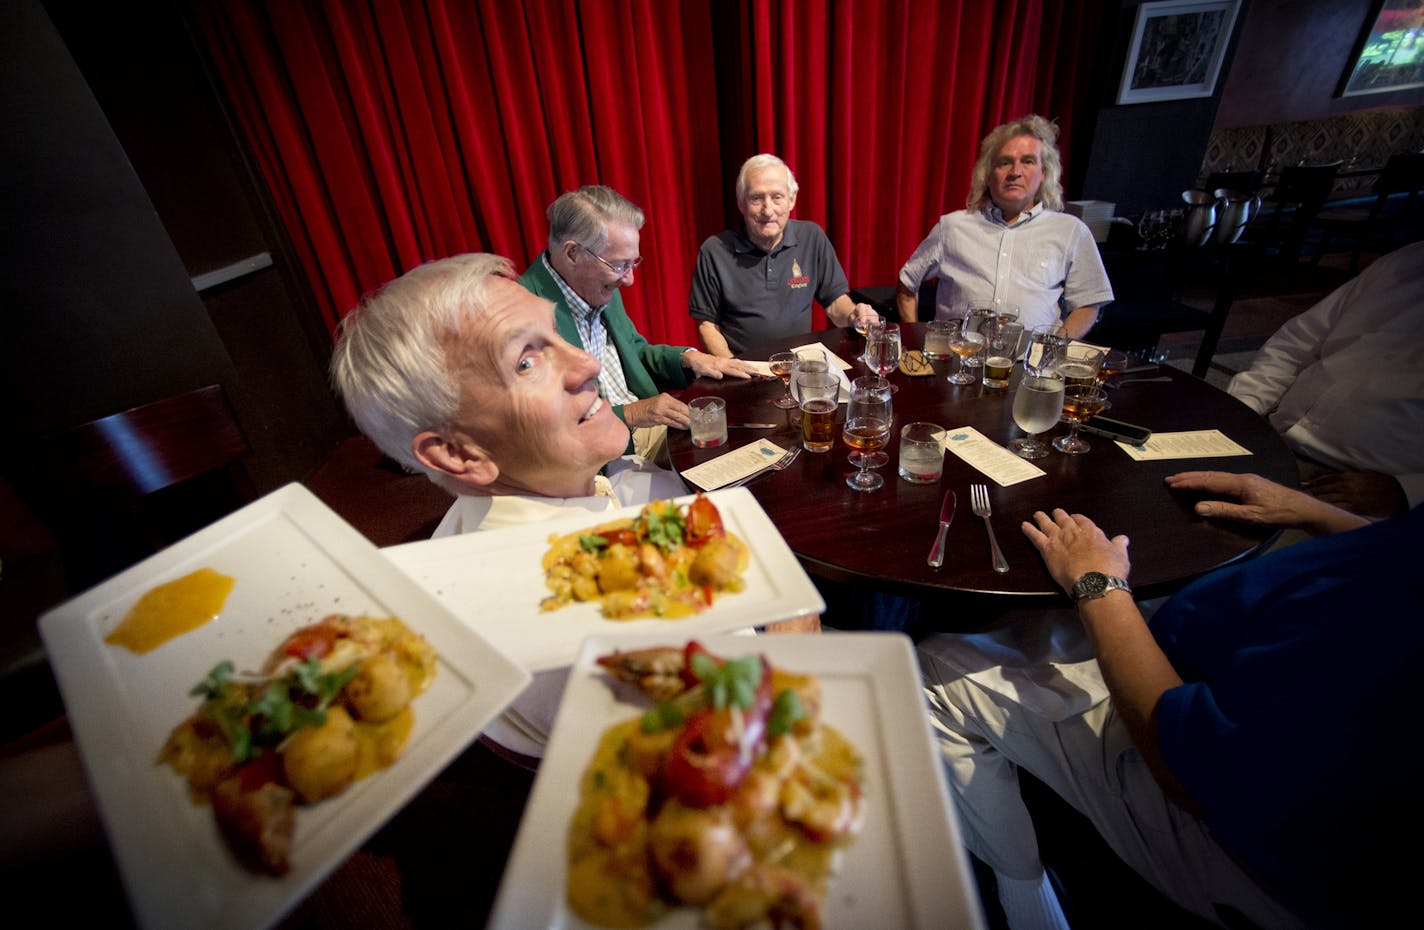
(882,538)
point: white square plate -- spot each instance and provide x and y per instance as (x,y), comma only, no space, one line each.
(494,581)
(906,868)
(294,562)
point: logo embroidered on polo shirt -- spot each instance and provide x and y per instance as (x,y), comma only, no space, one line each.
(797,278)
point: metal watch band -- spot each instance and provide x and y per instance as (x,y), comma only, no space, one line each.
(1093,585)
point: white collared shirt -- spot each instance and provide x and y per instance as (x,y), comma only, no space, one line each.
(1044,265)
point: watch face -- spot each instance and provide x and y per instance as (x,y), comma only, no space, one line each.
(1094,583)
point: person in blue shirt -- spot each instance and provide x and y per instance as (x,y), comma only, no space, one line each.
(1245,757)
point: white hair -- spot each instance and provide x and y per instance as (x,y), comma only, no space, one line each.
(757,163)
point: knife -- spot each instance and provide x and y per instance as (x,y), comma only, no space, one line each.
(751,426)
(946,517)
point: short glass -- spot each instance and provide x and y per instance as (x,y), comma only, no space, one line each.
(921,453)
(1045,348)
(938,333)
(818,391)
(1000,354)
(709,421)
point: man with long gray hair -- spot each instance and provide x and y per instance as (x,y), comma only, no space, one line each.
(1012,249)
(593,251)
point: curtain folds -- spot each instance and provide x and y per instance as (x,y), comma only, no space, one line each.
(392,132)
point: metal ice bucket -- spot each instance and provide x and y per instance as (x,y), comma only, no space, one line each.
(1200,217)
(1234,210)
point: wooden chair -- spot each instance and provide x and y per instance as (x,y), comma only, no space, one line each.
(1396,201)
(143,478)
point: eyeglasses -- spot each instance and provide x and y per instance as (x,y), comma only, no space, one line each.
(621,268)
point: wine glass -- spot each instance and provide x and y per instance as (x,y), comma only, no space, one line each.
(964,343)
(866,431)
(978,320)
(1037,405)
(781,365)
(1080,401)
(863,328)
(1148,227)
(882,352)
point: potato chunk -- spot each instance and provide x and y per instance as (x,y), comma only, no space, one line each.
(379,691)
(319,762)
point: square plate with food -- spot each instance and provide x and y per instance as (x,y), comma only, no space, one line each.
(283,564)
(495,580)
(901,865)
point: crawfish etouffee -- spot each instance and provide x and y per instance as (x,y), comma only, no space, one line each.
(330,706)
(730,795)
(668,561)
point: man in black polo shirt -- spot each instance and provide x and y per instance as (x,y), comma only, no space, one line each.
(757,285)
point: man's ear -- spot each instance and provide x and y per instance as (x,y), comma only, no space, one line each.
(460,458)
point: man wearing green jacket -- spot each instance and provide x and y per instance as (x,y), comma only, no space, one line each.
(593,251)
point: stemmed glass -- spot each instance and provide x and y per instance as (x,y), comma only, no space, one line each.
(1045,350)
(882,352)
(1037,404)
(863,328)
(964,342)
(781,365)
(1080,401)
(866,431)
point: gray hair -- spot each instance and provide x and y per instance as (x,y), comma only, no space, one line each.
(584,215)
(1050,192)
(756,163)
(394,359)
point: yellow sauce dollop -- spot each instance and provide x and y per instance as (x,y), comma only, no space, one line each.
(171,610)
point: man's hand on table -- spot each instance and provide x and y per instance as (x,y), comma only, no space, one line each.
(712,366)
(661,410)
(1367,493)
(1071,544)
(1263,502)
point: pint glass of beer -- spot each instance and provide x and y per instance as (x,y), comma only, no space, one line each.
(818,391)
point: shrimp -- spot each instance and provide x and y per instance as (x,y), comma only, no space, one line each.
(696,852)
(767,894)
(825,808)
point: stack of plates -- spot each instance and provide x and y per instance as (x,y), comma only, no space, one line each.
(1098,214)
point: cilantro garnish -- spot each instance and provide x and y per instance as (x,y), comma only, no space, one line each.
(664,716)
(216,683)
(255,716)
(786,709)
(589,542)
(733,682)
(662,528)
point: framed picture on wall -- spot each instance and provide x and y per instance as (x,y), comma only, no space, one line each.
(1389,55)
(1177,50)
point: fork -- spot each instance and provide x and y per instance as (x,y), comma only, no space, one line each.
(778,465)
(979,501)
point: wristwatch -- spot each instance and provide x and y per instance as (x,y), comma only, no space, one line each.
(1095,584)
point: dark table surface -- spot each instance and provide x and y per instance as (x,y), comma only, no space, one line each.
(883,537)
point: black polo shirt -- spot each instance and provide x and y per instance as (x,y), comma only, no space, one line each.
(754,296)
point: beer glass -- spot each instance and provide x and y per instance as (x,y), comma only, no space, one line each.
(782,364)
(818,391)
(1038,402)
(1079,403)
(867,430)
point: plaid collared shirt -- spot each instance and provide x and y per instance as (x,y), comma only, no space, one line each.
(594,335)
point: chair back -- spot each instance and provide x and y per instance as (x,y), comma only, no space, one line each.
(1305,187)
(135,453)
(1402,174)
(148,476)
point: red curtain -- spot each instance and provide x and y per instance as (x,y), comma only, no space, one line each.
(392,132)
